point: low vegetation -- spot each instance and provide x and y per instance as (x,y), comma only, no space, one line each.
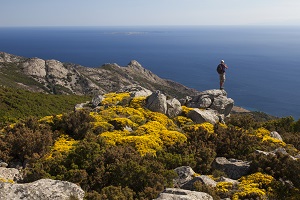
(123,151)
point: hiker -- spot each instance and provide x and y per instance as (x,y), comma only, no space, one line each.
(221,70)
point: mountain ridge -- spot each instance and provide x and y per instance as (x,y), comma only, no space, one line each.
(52,76)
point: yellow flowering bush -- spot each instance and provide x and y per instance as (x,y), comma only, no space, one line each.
(186,110)
(114,98)
(147,138)
(121,123)
(183,121)
(100,127)
(137,102)
(171,137)
(115,137)
(49,119)
(264,134)
(224,187)
(151,127)
(204,126)
(253,186)
(63,145)
(162,119)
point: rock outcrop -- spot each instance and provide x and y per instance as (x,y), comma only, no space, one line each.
(210,106)
(233,168)
(177,194)
(45,189)
(212,99)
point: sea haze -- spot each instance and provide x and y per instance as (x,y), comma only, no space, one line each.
(263,72)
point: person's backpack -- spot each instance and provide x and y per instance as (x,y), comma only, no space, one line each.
(220,69)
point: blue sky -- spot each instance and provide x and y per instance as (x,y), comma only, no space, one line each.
(148,12)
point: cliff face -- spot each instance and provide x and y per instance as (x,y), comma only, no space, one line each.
(52,76)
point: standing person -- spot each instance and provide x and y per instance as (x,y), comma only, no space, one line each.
(221,70)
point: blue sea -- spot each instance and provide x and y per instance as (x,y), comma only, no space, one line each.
(264,62)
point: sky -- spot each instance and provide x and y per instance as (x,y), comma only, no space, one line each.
(148,12)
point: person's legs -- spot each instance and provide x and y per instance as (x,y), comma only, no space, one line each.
(222,80)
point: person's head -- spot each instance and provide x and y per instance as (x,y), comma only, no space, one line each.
(222,61)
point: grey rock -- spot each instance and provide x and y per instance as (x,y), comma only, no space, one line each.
(56,69)
(190,185)
(229,180)
(273,153)
(223,105)
(201,101)
(173,108)
(185,174)
(233,168)
(3,164)
(276,135)
(35,67)
(45,189)
(9,58)
(10,174)
(210,100)
(186,178)
(80,106)
(97,100)
(201,116)
(180,194)
(157,102)
(136,90)
(207,180)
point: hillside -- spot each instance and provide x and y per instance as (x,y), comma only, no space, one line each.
(121,150)
(16,104)
(54,77)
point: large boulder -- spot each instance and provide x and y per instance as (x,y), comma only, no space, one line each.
(233,168)
(173,108)
(201,116)
(157,102)
(180,194)
(45,189)
(136,90)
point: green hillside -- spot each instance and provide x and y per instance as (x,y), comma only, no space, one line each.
(18,104)
(123,151)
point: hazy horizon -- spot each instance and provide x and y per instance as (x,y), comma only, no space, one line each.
(148,13)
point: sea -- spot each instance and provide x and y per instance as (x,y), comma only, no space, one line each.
(263,61)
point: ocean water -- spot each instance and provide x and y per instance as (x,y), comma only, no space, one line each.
(263,62)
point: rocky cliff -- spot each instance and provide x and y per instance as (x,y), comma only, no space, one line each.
(52,76)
